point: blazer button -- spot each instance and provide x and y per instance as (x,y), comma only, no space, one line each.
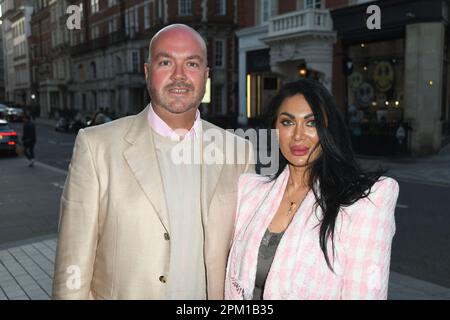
(162,279)
(166,236)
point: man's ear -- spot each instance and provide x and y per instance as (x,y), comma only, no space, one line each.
(147,71)
(207,73)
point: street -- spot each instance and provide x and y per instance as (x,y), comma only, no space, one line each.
(29,208)
(421,246)
(52,148)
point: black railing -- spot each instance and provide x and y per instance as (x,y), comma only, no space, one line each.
(99,43)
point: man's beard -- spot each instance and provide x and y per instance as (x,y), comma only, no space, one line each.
(157,97)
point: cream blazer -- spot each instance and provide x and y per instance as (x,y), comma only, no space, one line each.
(114,236)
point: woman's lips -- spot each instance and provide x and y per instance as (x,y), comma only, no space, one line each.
(299,151)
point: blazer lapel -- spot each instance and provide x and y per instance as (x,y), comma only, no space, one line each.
(210,171)
(141,157)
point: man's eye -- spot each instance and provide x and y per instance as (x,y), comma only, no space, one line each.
(164,63)
(193,64)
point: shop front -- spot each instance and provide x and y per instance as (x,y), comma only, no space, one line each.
(375,95)
(395,97)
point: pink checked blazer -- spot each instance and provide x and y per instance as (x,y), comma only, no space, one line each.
(363,238)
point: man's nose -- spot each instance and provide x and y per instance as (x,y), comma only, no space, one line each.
(178,72)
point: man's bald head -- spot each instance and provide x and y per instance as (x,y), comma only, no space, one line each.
(177,30)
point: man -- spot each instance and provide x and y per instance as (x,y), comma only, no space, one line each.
(135,222)
(29,139)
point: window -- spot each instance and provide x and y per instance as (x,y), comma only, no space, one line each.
(94,6)
(135,61)
(118,66)
(52,14)
(160,9)
(184,7)
(55,70)
(81,9)
(221,7)
(94,32)
(313,4)
(93,70)
(265,10)
(146,17)
(34,74)
(219,53)
(59,37)
(112,25)
(131,22)
(107,66)
(61,71)
(112,3)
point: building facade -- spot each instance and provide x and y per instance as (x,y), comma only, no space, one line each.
(2,68)
(398,81)
(280,41)
(392,84)
(16,16)
(101,65)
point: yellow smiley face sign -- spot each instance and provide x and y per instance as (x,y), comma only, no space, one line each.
(383,76)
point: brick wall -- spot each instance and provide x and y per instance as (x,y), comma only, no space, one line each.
(285,6)
(334,4)
(246,13)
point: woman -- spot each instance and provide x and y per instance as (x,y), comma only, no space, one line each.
(320,228)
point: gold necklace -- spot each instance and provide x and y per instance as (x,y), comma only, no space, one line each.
(292,204)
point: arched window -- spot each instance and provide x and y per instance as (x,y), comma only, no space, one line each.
(81,72)
(118,65)
(93,70)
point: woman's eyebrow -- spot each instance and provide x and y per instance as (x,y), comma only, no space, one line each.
(309,115)
(287,115)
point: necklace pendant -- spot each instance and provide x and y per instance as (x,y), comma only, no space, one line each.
(291,208)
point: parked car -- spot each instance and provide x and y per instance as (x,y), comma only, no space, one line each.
(76,125)
(14,114)
(62,125)
(69,125)
(98,118)
(8,138)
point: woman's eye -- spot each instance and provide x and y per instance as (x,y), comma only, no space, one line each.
(286,122)
(311,123)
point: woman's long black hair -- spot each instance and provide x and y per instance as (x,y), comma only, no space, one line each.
(341,181)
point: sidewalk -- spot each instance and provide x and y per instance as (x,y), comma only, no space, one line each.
(433,169)
(26,271)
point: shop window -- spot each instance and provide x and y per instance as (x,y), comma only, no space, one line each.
(375,93)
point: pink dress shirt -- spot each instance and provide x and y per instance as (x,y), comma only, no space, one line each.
(160,127)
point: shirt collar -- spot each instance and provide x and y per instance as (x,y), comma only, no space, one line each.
(162,128)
